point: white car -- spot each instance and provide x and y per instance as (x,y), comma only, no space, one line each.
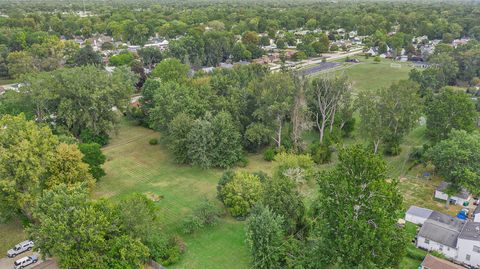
(25,261)
(20,248)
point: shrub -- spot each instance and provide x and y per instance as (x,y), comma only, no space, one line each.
(166,251)
(377,59)
(191,224)
(153,141)
(243,162)
(321,153)
(241,193)
(269,154)
(86,136)
(415,254)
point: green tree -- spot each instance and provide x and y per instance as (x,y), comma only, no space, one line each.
(351,229)
(94,157)
(87,56)
(19,63)
(55,97)
(98,241)
(449,110)
(241,193)
(283,199)
(274,95)
(227,149)
(457,160)
(265,238)
(389,114)
(124,58)
(170,70)
(150,56)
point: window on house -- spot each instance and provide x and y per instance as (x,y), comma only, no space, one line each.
(476,249)
(427,241)
(467,257)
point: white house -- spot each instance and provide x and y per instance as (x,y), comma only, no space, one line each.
(417,215)
(457,239)
(458,198)
(469,244)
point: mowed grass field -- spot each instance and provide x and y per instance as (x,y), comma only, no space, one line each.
(133,165)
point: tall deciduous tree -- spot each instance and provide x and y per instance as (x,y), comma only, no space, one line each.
(457,160)
(265,238)
(389,114)
(81,98)
(325,94)
(171,69)
(449,110)
(275,99)
(81,233)
(31,160)
(356,215)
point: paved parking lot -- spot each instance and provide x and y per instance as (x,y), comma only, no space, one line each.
(7,263)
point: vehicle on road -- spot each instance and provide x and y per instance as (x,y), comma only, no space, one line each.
(25,261)
(20,248)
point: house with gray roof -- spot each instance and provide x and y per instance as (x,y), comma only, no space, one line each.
(458,199)
(440,233)
(457,239)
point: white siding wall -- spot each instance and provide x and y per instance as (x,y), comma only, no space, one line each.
(449,252)
(466,247)
(417,219)
(476,218)
(442,196)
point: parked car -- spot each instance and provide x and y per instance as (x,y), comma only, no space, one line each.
(25,261)
(20,248)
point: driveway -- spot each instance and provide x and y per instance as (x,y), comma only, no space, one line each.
(7,263)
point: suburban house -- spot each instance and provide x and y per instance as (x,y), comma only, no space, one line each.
(417,215)
(432,262)
(457,239)
(458,199)
(440,233)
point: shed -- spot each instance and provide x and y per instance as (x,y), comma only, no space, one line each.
(458,199)
(417,215)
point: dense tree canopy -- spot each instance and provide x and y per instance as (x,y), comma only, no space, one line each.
(358,208)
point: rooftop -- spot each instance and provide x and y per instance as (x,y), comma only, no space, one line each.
(441,228)
(419,211)
(432,262)
(471,231)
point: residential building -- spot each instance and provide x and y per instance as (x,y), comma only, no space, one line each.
(417,215)
(461,197)
(440,233)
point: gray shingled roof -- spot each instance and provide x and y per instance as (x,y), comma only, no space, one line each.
(419,211)
(441,228)
(471,231)
(463,193)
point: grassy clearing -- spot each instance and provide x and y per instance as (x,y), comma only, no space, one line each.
(11,233)
(133,165)
(370,75)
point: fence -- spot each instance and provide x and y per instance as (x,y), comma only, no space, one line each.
(154,264)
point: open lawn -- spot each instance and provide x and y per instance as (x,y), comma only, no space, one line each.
(11,233)
(370,75)
(133,165)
